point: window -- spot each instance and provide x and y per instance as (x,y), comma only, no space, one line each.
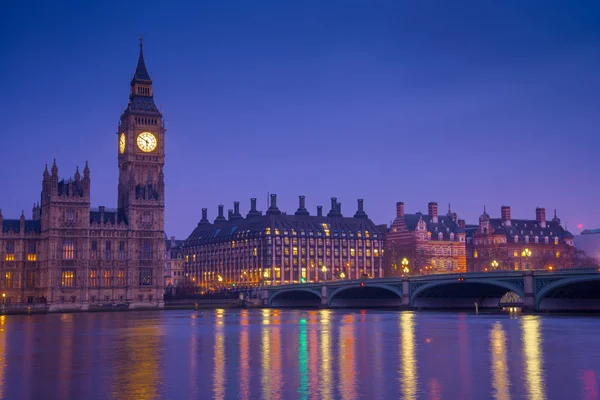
(31,251)
(121,277)
(106,281)
(10,251)
(145,276)
(147,250)
(30,279)
(70,216)
(73,298)
(8,279)
(107,251)
(68,250)
(555,240)
(121,250)
(68,278)
(352,252)
(31,257)
(149,297)
(93,277)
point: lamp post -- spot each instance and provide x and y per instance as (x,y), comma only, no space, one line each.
(324,269)
(494,264)
(342,275)
(526,253)
(3,298)
(404,263)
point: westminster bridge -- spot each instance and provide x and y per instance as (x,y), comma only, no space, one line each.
(559,290)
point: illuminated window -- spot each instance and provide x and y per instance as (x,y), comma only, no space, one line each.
(232,244)
(187,258)
(555,240)
(268,231)
(93,277)
(352,252)
(359,234)
(8,279)
(368,252)
(376,252)
(515,254)
(121,277)
(67,278)
(121,250)
(367,234)
(325,229)
(106,281)
(475,254)
(558,254)
(277,231)
(68,250)
(31,257)
(145,276)
(295,251)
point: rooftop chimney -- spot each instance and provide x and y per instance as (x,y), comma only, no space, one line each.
(204,219)
(505,215)
(360,213)
(334,212)
(273,210)
(461,223)
(220,217)
(253,211)
(172,241)
(339,208)
(319,211)
(400,209)
(432,207)
(236,211)
(301,207)
(540,216)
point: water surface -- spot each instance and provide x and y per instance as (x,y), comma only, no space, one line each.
(288,354)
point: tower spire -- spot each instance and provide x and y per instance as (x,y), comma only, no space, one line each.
(141,72)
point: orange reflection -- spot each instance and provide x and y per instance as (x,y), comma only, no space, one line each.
(219,378)
(500,380)
(244,356)
(3,353)
(326,372)
(435,389)
(408,356)
(347,359)
(532,347)
(271,378)
(138,361)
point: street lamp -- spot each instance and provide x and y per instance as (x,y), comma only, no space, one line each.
(3,298)
(324,269)
(526,253)
(342,275)
(494,264)
(404,263)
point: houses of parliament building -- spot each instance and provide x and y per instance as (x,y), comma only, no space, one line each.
(72,256)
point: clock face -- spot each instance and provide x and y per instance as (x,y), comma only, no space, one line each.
(146,142)
(122,143)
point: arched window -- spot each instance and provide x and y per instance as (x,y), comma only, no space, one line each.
(547,240)
(440,236)
(555,240)
(526,239)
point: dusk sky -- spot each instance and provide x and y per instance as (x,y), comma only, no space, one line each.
(470,103)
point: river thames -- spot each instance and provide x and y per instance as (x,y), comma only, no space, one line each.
(288,354)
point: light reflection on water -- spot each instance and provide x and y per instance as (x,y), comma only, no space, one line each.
(289,354)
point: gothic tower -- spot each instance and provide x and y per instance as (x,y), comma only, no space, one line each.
(141,155)
(141,201)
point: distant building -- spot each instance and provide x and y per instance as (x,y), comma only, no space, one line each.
(174,262)
(518,244)
(71,255)
(277,248)
(589,242)
(427,243)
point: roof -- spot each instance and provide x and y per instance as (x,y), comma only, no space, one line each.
(14,225)
(300,225)
(445,224)
(524,227)
(109,216)
(141,72)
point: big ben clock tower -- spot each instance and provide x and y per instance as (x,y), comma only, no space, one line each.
(141,158)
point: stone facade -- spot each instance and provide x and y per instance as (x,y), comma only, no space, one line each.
(278,249)
(72,256)
(174,271)
(518,244)
(428,243)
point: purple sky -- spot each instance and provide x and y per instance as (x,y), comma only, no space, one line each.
(468,103)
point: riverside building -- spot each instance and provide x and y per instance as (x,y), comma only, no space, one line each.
(277,248)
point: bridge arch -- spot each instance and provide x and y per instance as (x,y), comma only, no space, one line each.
(366,295)
(570,293)
(295,297)
(463,293)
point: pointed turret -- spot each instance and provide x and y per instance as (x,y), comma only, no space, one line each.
(46,174)
(86,171)
(556,219)
(54,169)
(77,174)
(22,221)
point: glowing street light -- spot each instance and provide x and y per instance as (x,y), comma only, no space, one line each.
(219,278)
(342,275)
(404,263)
(526,253)
(494,264)
(324,269)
